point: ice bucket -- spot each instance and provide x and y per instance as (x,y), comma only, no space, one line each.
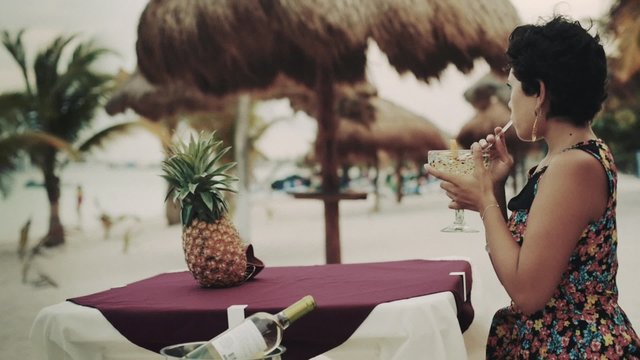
(180,350)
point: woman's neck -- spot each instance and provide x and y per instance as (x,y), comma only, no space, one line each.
(560,135)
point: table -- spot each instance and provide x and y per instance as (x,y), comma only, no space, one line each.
(399,313)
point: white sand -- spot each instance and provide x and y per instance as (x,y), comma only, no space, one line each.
(292,235)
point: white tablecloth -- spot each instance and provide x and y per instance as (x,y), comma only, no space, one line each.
(416,328)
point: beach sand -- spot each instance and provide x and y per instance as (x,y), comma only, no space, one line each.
(284,232)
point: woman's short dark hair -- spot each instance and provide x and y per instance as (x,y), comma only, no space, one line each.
(568,60)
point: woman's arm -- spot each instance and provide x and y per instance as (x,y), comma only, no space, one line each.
(572,192)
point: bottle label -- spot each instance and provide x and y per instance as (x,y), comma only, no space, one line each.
(242,342)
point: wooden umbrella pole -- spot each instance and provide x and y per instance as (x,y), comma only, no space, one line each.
(399,179)
(327,128)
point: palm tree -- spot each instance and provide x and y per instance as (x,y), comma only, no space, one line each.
(12,144)
(51,112)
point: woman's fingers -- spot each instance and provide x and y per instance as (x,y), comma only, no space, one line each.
(491,139)
(478,161)
(456,194)
(501,147)
(448,187)
(451,190)
(437,173)
(499,141)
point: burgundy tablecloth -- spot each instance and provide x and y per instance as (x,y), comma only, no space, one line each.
(171,308)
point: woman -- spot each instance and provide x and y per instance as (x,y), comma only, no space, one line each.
(555,255)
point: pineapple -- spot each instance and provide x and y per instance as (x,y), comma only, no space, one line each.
(213,250)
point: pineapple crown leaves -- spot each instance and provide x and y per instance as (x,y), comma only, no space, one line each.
(196,180)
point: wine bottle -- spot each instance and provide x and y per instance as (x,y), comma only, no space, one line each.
(256,336)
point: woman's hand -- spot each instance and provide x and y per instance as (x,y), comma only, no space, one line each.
(501,160)
(467,191)
(474,192)
(453,185)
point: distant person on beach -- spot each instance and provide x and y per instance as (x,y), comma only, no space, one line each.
(107,224)
(79,200)
(555,254)
(24,239)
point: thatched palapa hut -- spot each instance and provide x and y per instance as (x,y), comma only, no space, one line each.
(624,24)
(156,102)
(398,132)
(223,47)
(489,97)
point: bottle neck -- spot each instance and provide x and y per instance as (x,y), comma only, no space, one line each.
(295,311)
(283,320)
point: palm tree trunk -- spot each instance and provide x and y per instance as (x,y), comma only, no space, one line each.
(55,236)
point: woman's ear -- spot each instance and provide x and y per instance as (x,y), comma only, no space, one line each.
(542,94)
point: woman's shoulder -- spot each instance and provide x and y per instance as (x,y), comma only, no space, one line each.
(579,182)
(597,148)
(576,165)
(580,174)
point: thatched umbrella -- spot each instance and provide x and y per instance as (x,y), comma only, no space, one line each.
(623,28)
(623,23)
(489,86)
(222,47)
(355,140)
(167,103)
(157,102)
(395,130)
(404,134)
(488,98)
(154,102)
(483,123)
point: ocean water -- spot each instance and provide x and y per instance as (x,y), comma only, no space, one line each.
(128,191)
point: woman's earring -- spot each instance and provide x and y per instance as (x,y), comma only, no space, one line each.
(534,134)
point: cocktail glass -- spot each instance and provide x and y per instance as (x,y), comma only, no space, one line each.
(455,162)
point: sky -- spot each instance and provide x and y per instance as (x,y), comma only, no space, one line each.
(113,24)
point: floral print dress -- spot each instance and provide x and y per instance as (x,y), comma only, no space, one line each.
(582,320)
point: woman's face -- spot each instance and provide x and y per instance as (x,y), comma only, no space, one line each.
(522,108)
